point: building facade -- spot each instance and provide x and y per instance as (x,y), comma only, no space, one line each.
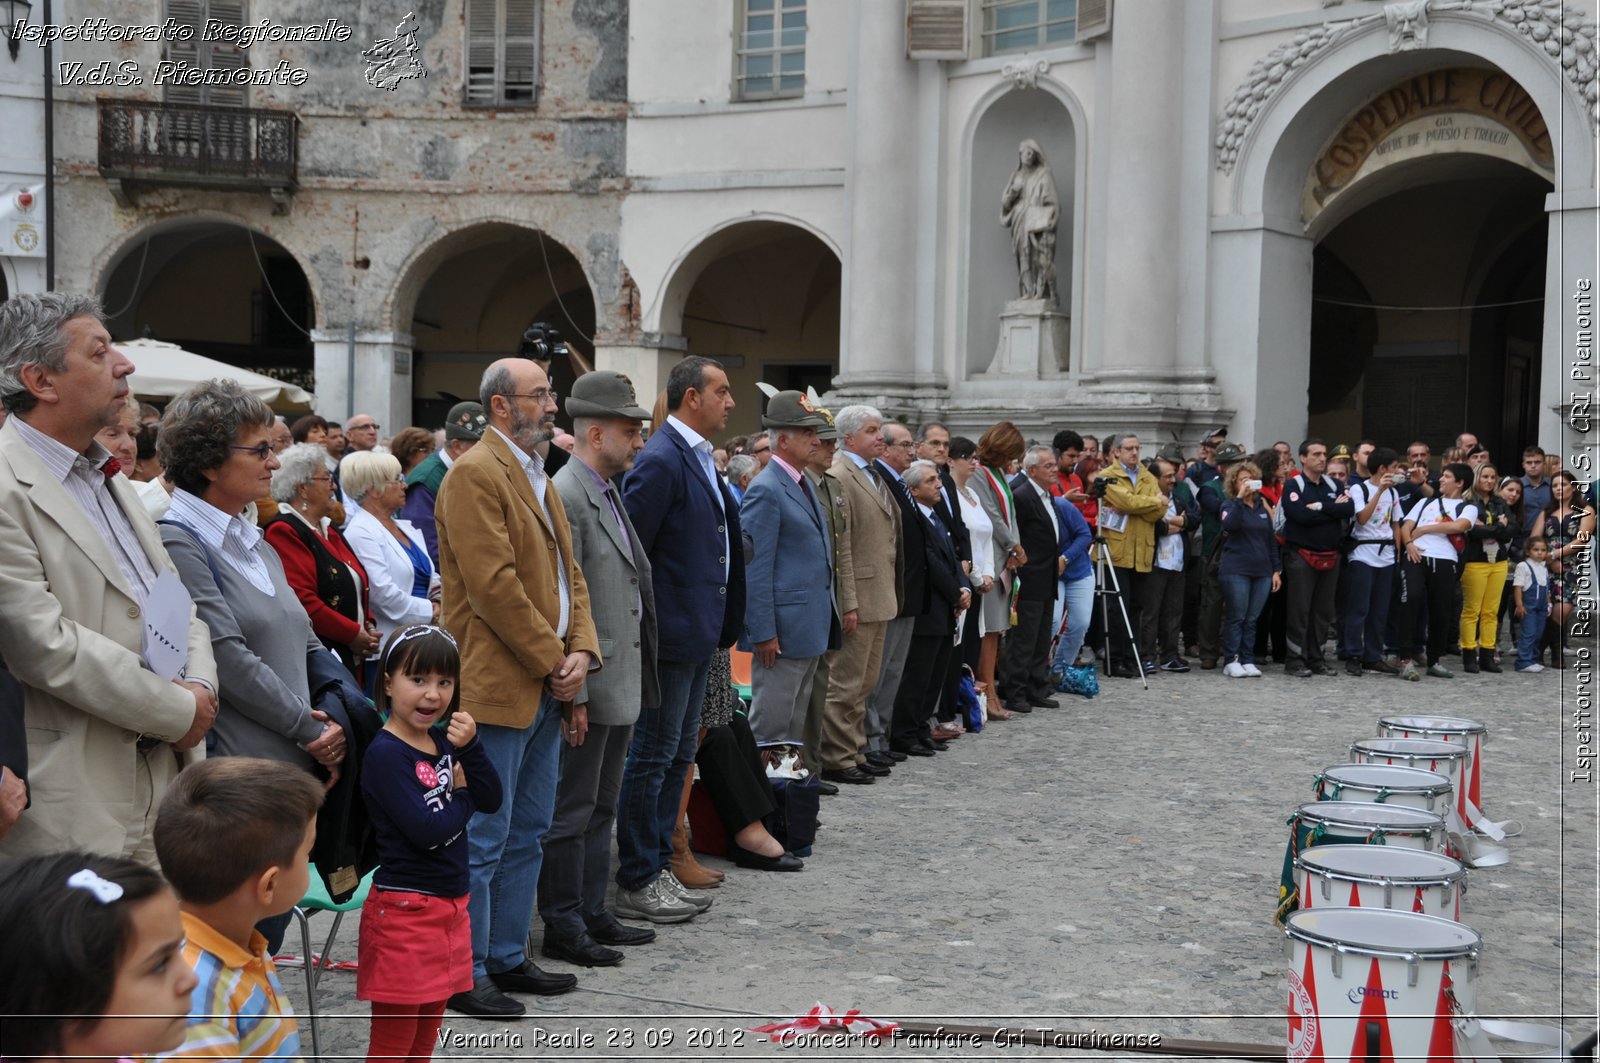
(1343,217)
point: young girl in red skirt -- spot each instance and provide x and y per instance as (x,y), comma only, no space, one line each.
(423,777)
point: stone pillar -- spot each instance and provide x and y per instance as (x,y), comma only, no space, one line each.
(1139,319)
(368,371)
(878,319)
(645,359)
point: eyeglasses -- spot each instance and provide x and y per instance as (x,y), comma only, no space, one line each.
(764,448)
(937,444)
(322,479)
(541,396)
(362,427)
(262,451)
(905,444)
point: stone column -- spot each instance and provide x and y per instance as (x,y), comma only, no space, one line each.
(368,371)
(1140,314)
(878,320)
(645,358)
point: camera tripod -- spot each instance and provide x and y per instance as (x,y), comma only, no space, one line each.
(1106,586)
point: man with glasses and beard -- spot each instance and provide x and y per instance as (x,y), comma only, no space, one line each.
(516,600)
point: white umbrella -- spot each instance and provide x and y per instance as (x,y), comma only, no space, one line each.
(165,371)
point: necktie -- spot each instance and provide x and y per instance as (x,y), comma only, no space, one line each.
(805,485)
(111,468)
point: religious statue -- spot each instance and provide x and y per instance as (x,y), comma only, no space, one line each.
(1031,209)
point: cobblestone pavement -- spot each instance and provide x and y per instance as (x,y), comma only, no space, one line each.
(1111,865)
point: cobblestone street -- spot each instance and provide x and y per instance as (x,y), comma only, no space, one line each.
(1111,865)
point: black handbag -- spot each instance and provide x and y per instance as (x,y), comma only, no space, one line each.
(793,821)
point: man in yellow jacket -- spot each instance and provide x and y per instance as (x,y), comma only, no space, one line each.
(1132,505)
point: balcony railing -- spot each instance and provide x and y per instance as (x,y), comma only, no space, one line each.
(204,146)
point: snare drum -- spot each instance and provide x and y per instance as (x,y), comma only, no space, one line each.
(1381,876)
(1445,758)
(1353,823)
(1470,735)
(1367,983)
(1386,784)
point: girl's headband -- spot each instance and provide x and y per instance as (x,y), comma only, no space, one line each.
(417,631)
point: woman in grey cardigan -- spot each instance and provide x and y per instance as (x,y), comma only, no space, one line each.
(214,443)
(999,449)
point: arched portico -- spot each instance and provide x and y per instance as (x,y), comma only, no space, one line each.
(1261,251)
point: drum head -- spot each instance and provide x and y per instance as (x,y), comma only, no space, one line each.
(1410,747)
(1364,816)
(1383,932)
(1452,725)
(1393,777)
(1377,863)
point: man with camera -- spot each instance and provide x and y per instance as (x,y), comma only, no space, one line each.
(1314,509)
(1370,572)
(1130,505)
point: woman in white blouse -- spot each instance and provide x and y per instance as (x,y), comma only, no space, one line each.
(980,531)
(402,583)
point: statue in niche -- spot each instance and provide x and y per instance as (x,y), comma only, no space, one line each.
(1030,207)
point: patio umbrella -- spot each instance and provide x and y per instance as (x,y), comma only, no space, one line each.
(165,371)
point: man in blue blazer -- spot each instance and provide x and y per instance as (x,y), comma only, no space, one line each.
(789,615)
(688,524)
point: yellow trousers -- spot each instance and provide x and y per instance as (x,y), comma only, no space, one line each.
(1482,584)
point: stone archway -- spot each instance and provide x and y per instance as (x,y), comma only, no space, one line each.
(763,297)
(218,287)
(1269,138)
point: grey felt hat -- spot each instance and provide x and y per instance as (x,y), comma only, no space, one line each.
(791,409)
(466,421)
(604,393)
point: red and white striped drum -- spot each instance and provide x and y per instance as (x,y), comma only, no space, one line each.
(1471,736)
(1369,983)
(1381,876)
(1386,784)
(1363,823)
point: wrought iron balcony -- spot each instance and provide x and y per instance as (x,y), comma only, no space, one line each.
(153,142)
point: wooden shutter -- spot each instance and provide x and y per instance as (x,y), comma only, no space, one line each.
(1094,19)
(502,60)
(207,55)
(184,13)
(936,29)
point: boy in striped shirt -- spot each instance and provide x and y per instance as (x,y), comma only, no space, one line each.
(234,838)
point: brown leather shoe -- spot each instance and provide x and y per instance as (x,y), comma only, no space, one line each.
(1208,663)
(686,868)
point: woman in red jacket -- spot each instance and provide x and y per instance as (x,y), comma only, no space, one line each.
(320,566)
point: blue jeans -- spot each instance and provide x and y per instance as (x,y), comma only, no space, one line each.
(1078,594)
(664,744)
(1366,609)
(506,848)
(1531,636)
(1243,598)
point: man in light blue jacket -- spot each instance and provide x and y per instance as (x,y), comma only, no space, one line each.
(790,619)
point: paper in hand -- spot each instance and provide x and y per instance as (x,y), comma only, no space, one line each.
(166,626)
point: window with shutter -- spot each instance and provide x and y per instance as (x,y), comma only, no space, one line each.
(771,57)
(206,55)
(1027,25)
(1094,19)
(936,29)
(502,53)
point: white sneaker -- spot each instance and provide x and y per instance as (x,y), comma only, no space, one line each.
(1234,670)
(1534,667)
(651,901)
(1251,671)
(670,884)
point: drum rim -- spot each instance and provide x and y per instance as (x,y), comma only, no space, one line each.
(1476,728)
(1443,786)
(1436,821)
(1455,752)
(1472,950)
(1451,878)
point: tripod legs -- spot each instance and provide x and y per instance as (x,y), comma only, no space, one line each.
(1107,586)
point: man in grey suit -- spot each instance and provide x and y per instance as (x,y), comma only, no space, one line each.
(606,422)
(789,617)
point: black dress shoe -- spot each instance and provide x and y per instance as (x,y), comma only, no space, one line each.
(881,759)
(852,775)
(613,932)
(529,979)
(743,857)
(1124,670)
(939,747)
(1019,708)
(872,769)
(896,756)
(917,751)
(826,789)
(484,1001)
(1044,703)
(1320,667)
(582,950)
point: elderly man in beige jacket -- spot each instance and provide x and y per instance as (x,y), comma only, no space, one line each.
(79,559)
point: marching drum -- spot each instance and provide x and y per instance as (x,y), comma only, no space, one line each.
(1367,983)
(1362,823)
(1471,736)
(1385,784)
(1352,823)
(1448,759)
(1374,876)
